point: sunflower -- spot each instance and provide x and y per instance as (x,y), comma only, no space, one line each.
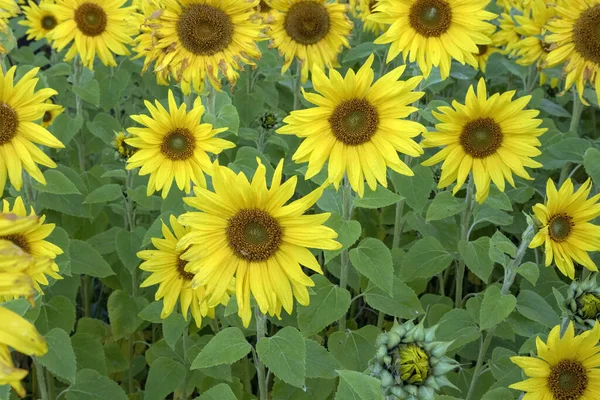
(50,115)
(124,150)
(507,36)
(169,272)
(21,335)
(20,105)
(265,11)
(14,265)
(245,230)
(565,368)
(192,40)
(574,40)
(173,145)
(8,9)
(357,126)
(312,31)
(483,55)
(32,241)
(492,137)
(566,230)
(366,9)
(432,32)
(39,19)
(93,27)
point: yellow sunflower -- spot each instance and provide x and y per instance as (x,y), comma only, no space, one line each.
(50,115)
(173,145)
(265,11)
(8,9)
(39,19)
(312,31)
(174,282)
(483,55)
(566,230)
(366,8)
(507,36)
(432,32)
(492,137)
(357,125)
(192,40)
(20,105)
(32,241)
(21,335)
(14,280)
(574,40)
(565,368)
(92,27)
(245,230)
(125,151)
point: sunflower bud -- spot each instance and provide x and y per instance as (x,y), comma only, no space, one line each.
(414,364)
(583,302)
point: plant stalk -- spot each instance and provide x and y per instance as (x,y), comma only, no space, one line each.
(574,127)
(261,321)
(460,274)
(297,86)
(345,257)
(39,373)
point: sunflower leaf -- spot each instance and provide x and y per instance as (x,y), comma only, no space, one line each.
(285,355)
(227,347)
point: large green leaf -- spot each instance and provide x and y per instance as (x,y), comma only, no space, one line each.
(89,353)
(404,303)
(228,346)
(128,244)
(90,385)
(415,189)
(443,206)
(477,257)
(426,258)
(60,358)
(373,259)
(58,312)
(354,349)
(285,355)
(164,377)
(56,183)
(354,385)
(533,306)
(495,307)
(104,194)
(219,392)
(86,260)
(379,198)
(319,362)
(123,313)
(328,303)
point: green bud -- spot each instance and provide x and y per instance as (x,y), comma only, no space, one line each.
(393,340)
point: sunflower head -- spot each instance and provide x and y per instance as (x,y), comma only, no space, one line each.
(39,19)
(51,114)
(366,8)
(565,367)
(410,363)
(123,150)
(8,9)
(583,302)
(565,224)
(357,125)
(492,138)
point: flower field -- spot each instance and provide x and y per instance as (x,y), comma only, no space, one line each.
(299,199)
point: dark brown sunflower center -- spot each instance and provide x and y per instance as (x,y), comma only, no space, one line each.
(9,122)
(264,7)
(481,138)
(588,305)
(18,240)
(49,22)
(568,380)
(204,29)
(91,19)
(181,269)
(586,34)
(47,116)
(178,144)
(559,227)
(430,18)
(372,5)
(307,22)
(483,48)
(354,122)
(254,235)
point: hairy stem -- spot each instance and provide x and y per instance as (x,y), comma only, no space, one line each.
(574,127)
(41,379)
(460,274)
(345,257)
(261,321)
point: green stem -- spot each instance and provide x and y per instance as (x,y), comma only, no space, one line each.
(41,379)
(130,365)
(261,321)
(28,187)
(211,100)
(185,339)
(460,274)
(345,257)
(51,387)
(482,351)
(77,77)
(86,293)
(297,86)
(574,127)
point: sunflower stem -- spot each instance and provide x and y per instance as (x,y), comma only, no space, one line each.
(460,274)
(185,339)
(482,352)
(574,127)
(261,320)
(77,77)
(345,258)
(130,364)
(41,379)
(297,86)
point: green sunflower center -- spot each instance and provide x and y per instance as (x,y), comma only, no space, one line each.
(588,305)
(182,272)
(413,364)
(559,227)
(567,380)
(586,34)
(49,22)
(204,29)
(254,235)
(18,240)
(91,19)
(483,48)
(307,22)
(431,18)
(481,137)
(9,122)
(178,144)
(354,122)
(263,7)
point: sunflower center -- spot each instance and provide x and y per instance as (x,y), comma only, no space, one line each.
(264,7)
(204,29)
(568,380)
(588,305)
(354,122)
(413,364)
(372,5)
(483,48)
(254,235)
(18,240)
(178,144)
(8,123)
(481,138)
(49,22)
(182,272)
(586,34)
(307,22)
(91,19)
(47,116)
(430,18)
(560,226)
